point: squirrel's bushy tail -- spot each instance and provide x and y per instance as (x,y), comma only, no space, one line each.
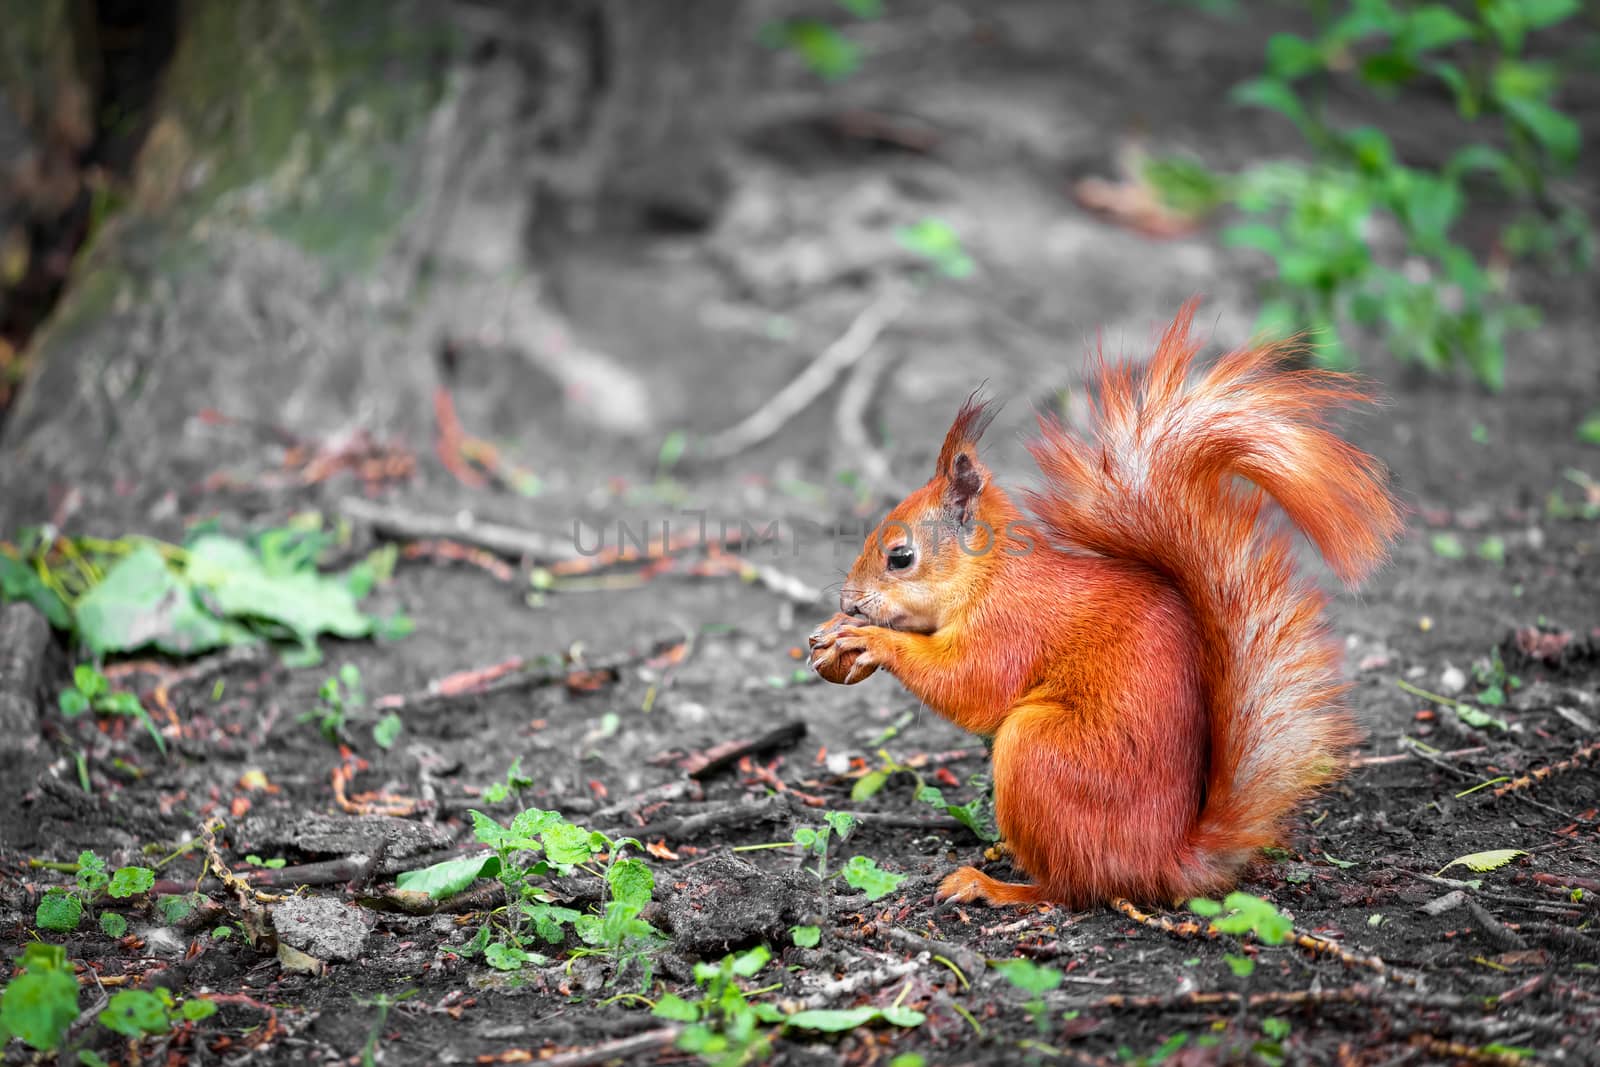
(1160,482)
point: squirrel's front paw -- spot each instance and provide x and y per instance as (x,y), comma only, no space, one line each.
(841,652)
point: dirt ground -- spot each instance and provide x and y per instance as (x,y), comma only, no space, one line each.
(1017,103)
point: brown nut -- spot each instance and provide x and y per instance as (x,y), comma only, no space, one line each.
(828,661)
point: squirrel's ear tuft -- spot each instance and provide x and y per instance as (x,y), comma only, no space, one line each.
(963,476)
(973,418)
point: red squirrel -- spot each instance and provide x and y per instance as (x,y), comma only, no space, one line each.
(1159,682)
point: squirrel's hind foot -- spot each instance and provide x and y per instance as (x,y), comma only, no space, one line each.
(969,884)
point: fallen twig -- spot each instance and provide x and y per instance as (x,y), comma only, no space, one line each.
(615,1049)
(1401,757)
(703,765)
(1583,755)
(523,672)
(365,803)
(405,525)
(812,382)
(455,552)
(1310,942)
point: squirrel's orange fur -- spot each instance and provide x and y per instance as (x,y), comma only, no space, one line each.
(1159,682)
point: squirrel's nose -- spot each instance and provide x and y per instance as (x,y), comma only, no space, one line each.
(849,605)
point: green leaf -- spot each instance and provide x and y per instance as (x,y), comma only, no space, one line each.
(112,924)
(1492,860)
(449,877)
(938,242)
(841,822)
(197,1008)
(307,604)
(805,936)
(838,1020)
(59,910)
(1290,56)
(1447,546)
(1557,132)
(1538,14)
(1589,429)
(567,845)
(631,883)
(675,1008)
(90,682)
(830,54)
(92,876)
(504,957)
(73,703)
(1254,235)
(39,1005)
(1241,966)
(1465,92)
(1205,907)
(386,730)
(1478,718)
(869,785)
(18,581)
(175,908)
(135,1013)
(1028,976)
(863,873)
(1435,26)
(131,881)
(672,448)
(747,963)
(1272,94)
(141,602)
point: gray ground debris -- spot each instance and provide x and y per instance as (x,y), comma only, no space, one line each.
(322,927)
(728,903)
(392,839)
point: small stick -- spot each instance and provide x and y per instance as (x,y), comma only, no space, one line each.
(615,1049)
(1583,755)
(1310,942)
(1456,1051)
(812,382)
(720,757)
(1401,757)
(455,552)
(404,525)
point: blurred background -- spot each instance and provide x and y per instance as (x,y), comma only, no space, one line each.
(579,263)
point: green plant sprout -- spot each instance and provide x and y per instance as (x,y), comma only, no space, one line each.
(1030,977)
(1432,301)
(341,699)
(976,815)
(828,53)
(90,691)
(61,908)
(515,782)
(42,1001)
(530,916)
(726,1028)
(859,872)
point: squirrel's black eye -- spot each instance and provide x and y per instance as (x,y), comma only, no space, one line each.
(901,557)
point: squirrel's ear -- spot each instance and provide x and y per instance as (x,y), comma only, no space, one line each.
(963,485)
(963,476)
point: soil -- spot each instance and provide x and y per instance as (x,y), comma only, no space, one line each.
(655,666)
